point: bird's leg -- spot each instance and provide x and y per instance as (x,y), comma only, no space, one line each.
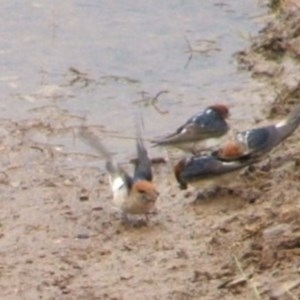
(267,166)
(140,222)
(182,186)
(207,194)
(147,219)
(124,218)
(134,221)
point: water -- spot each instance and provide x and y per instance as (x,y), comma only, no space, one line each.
(104,59)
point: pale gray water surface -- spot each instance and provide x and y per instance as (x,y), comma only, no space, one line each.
(125,49)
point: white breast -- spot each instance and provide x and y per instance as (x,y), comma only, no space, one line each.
(119,189)
(116,183)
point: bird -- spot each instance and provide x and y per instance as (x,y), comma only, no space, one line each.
(254,144)
(207,170)
(133,195)
(200,132)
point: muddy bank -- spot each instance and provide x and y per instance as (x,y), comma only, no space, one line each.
(274,56)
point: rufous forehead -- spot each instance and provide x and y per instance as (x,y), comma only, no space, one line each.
(222,109)
(179,167)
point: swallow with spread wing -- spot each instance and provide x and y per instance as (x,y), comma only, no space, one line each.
(133,195)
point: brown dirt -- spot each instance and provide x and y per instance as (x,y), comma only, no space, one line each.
(61,239)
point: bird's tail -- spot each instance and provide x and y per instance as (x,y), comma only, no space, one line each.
(287,126)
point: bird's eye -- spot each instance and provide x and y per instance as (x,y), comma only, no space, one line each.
(142,192)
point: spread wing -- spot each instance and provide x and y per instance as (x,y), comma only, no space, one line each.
(199,127)
(114,170)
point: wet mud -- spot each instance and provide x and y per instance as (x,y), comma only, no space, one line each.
(61,238)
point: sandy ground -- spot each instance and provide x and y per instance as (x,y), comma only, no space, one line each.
(60,237)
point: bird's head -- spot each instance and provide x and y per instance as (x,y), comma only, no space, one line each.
(179,167)
(221,109)
(146,191)
(230,150)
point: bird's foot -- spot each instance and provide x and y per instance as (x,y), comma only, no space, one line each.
(134,221)
(207,194)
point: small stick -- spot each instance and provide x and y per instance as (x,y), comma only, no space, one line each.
(254,287)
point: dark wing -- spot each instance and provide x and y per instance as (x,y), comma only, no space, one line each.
(199,127)
(259,141)
(143,163)
(250,144)
(255,143)
(206,167)
(264,139)
(289,125)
